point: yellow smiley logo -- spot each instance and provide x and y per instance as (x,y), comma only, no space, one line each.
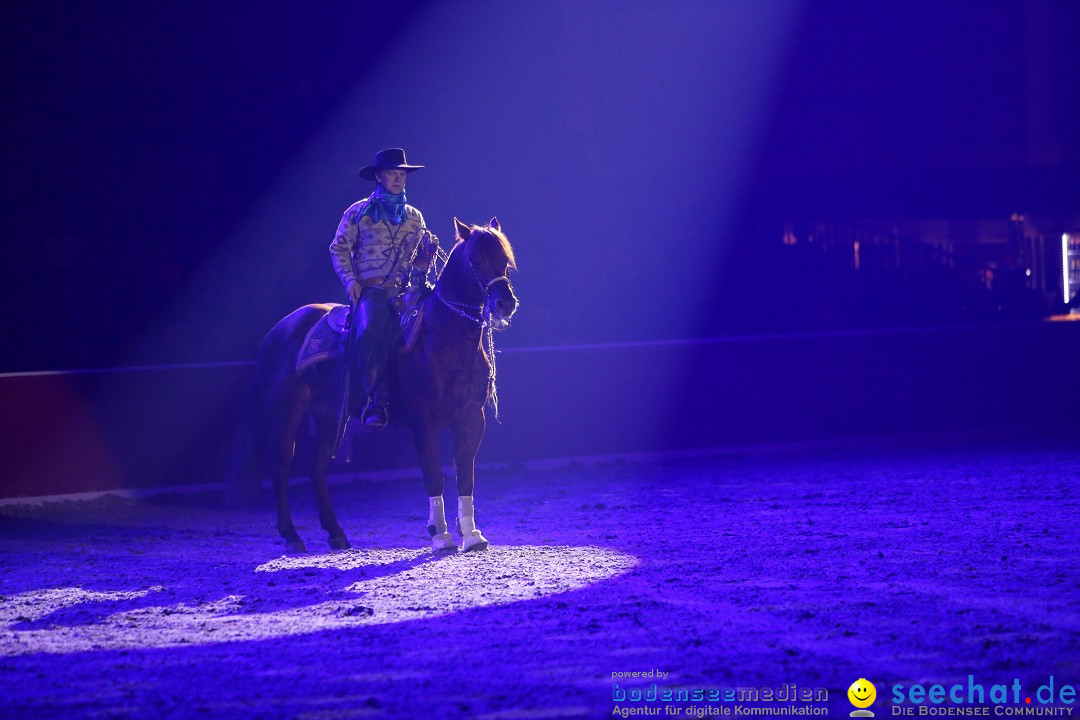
(862,693)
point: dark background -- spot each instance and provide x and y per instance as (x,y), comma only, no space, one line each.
(173,173)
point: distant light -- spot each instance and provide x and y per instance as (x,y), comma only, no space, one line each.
(1028,272)
(789,234)
(1065,267)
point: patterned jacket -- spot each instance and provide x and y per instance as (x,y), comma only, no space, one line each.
(369,251)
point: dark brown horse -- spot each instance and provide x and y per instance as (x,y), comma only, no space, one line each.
(440,377)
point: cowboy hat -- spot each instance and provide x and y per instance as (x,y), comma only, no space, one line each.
(388,159)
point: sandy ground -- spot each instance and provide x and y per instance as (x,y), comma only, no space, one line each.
(817,568)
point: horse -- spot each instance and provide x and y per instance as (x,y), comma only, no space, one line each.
(441,375)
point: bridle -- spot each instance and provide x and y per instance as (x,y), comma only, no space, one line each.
(478,313)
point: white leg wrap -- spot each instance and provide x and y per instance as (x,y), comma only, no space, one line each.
(436,518)
(440,537)
(466,525)
(466,522)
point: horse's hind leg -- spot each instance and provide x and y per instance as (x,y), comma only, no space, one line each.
(467,436)
(326,435)
(285,426)
(247,462)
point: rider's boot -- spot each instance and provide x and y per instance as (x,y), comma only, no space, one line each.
(374,413)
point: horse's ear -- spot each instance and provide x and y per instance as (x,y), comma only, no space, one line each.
(494,224)
(463,230)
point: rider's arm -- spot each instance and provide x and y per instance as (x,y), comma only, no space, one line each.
(427,245)
(342,246)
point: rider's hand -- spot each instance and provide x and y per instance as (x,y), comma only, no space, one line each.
(428,244)
(430,241)
(354,290)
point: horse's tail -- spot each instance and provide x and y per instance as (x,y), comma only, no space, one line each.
(247,465)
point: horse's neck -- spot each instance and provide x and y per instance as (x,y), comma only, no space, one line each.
(444,325)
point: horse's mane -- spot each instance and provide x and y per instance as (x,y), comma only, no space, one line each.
(504,244)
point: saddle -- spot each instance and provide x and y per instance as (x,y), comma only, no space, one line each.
(325,340)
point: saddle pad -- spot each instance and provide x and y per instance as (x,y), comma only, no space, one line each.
(325,340)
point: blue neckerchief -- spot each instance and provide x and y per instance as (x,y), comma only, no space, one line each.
(385,207)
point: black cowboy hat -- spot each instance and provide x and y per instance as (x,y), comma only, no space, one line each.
(388,159)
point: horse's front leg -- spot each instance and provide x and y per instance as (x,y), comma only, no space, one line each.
(426,437)
(325,434)
(467,436)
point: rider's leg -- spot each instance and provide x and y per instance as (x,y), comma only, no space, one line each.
(375,318)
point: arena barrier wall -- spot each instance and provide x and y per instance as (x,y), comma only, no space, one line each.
(68,432)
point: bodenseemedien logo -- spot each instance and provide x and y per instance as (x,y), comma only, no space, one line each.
(711,701)
(862,694)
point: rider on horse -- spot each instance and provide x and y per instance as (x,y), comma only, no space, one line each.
(380,250)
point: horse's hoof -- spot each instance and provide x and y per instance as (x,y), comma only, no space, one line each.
(443,542)
(475,541)
(296,547)
(339,543)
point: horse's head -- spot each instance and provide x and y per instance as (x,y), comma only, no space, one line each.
(487,254)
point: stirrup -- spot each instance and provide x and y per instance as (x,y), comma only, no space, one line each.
(373,416)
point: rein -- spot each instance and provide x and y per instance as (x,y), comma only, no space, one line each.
(481,315)
(462,309)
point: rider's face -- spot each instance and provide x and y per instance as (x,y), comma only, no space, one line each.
(392,181)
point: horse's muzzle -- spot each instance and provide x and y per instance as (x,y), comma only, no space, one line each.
(502,303)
